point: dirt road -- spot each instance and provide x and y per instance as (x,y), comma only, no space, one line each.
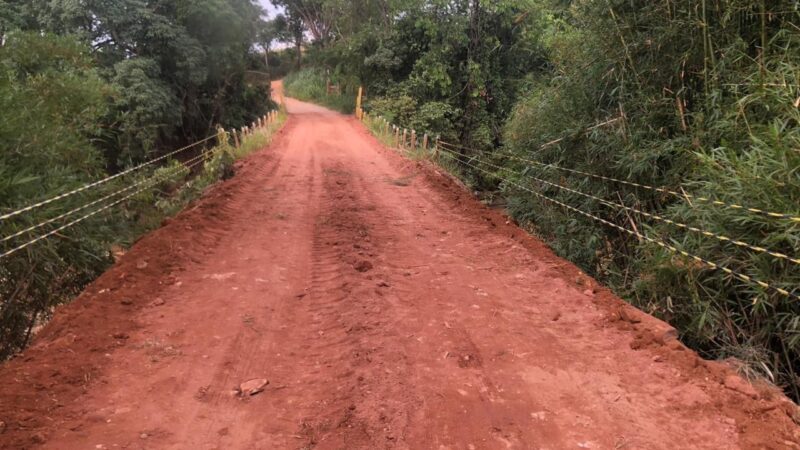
(386,308)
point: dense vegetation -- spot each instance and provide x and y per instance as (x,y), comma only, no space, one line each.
(312,84)
(88,89)
(699,99)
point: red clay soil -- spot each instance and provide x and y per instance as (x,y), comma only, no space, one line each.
(385,307)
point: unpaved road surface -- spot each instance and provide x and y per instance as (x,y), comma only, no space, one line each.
(385,307)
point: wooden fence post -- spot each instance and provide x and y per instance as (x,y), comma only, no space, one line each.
(235,138)
(403,143)
(425,142)
(413,140)
(359,114)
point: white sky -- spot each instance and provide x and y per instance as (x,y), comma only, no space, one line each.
(271,9)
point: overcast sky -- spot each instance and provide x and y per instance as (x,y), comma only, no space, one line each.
(272,9)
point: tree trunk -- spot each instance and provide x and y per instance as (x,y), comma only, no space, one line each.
(299,48)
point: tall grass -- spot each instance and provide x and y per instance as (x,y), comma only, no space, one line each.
(310,85)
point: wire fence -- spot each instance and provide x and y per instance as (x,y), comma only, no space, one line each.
(487,164)
(121,195)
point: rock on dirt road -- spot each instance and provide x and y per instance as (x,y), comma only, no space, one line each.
(382,314)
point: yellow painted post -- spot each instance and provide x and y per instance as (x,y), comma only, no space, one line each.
(221,134)
(358,102)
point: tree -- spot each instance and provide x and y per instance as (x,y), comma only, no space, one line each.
(315,15)
(187,59)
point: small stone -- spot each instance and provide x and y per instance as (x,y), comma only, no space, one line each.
(2,427)
(556,316)
(588,293)
(121,336)
(38,438)
(658,358)
(252,387)
(158,302)
(729,421)
(144,436)
(126,301)
(540,415)
(141,264)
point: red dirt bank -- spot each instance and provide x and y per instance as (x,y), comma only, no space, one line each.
(387,309)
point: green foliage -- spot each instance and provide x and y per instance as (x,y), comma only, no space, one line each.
(310,85)
(50,102)
(701,100)
(178,69)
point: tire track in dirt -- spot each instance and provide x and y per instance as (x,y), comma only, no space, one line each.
(349,314)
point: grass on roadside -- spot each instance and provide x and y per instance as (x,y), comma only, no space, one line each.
(309,85)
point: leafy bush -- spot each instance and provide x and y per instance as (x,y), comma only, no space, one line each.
(701,101)
(310,85)
(50,102)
